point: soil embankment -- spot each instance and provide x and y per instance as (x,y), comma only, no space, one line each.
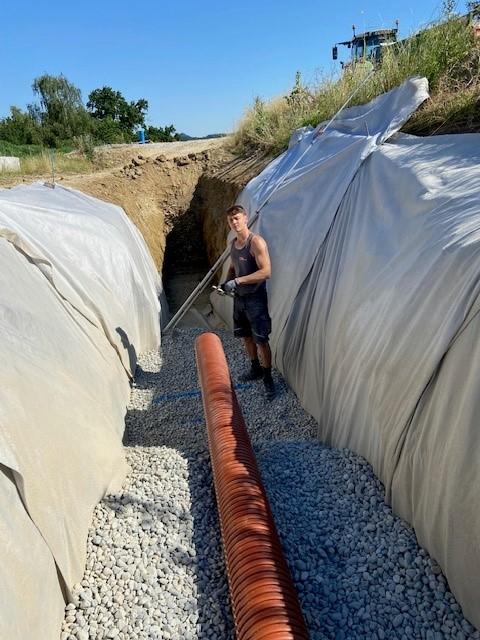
(176,194)
(157,189)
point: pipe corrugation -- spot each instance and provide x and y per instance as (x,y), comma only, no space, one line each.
(264,601)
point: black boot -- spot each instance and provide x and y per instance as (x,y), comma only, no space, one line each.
(255,373)
(268,382)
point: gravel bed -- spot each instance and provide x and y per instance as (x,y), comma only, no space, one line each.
(155,567)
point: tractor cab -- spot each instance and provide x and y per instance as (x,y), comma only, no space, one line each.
(367,46)
(474,15)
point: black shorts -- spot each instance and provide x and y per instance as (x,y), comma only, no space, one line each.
(251,318)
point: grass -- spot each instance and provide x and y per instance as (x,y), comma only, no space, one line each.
(64,163)
(21,150)
(446,54)
(37,161)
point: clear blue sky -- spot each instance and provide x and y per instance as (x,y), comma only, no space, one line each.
(198,63)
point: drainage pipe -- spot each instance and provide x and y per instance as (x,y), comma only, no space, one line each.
(264,602)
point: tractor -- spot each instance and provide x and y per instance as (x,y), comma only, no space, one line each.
(367,47)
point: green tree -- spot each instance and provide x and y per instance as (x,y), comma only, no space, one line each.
(20,128)
(111,132)
(162,134)
(60,111)
(110,105)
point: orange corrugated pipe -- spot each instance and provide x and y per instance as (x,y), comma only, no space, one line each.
(264,601)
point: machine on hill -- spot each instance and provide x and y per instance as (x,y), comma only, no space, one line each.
(367,47)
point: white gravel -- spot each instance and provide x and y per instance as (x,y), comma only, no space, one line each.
(155,567)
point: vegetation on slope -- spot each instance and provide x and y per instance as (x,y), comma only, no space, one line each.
(447,54)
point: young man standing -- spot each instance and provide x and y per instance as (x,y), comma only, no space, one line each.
(246,279)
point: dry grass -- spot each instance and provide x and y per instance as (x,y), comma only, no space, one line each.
(41,164)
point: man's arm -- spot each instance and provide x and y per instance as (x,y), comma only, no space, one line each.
(260,251)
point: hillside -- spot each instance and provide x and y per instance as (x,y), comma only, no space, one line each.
(447,54)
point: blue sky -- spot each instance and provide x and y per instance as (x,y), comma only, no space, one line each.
(199,64)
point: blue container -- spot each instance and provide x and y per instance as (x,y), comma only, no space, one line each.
(141,136)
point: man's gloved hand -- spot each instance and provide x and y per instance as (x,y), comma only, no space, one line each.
(229,286)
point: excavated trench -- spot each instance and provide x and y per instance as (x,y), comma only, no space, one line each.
(178,203)
(184,265)
(196,237)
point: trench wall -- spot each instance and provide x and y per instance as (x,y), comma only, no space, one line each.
(156,191)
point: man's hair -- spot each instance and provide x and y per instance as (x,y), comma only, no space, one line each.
(236,208)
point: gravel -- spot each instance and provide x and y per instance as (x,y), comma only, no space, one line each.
(154,560)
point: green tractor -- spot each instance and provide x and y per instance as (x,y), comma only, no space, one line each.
(367,47)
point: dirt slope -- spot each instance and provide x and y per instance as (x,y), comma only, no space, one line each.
(157,183)
(111,155)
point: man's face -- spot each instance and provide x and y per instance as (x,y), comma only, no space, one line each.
(237,221)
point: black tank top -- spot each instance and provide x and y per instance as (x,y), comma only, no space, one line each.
(244,264)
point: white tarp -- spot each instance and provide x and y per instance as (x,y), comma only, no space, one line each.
(93,255)
(74,274)
(374,299)
(9,163)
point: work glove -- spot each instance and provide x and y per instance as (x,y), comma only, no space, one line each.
(229,286)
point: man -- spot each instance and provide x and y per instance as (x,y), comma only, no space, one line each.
(246,279)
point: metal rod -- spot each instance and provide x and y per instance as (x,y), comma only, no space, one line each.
(197,291)
(225,255)
(52,160)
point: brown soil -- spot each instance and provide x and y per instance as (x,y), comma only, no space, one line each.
(112,155)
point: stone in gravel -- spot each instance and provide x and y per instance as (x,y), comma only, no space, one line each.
(397,621)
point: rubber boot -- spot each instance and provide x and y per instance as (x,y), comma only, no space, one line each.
(268,383)
(255,373)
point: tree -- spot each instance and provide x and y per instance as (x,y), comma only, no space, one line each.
(159,134)
(20,128)
(60,111)
(108,104)
(109,131)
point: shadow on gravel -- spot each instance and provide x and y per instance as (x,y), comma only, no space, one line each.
(144,379)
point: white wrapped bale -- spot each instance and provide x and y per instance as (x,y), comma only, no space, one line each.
(9,164)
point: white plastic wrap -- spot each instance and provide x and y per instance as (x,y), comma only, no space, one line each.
(374,300)
(77,301)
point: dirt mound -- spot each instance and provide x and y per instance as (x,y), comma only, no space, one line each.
(112,155)
(155,188)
